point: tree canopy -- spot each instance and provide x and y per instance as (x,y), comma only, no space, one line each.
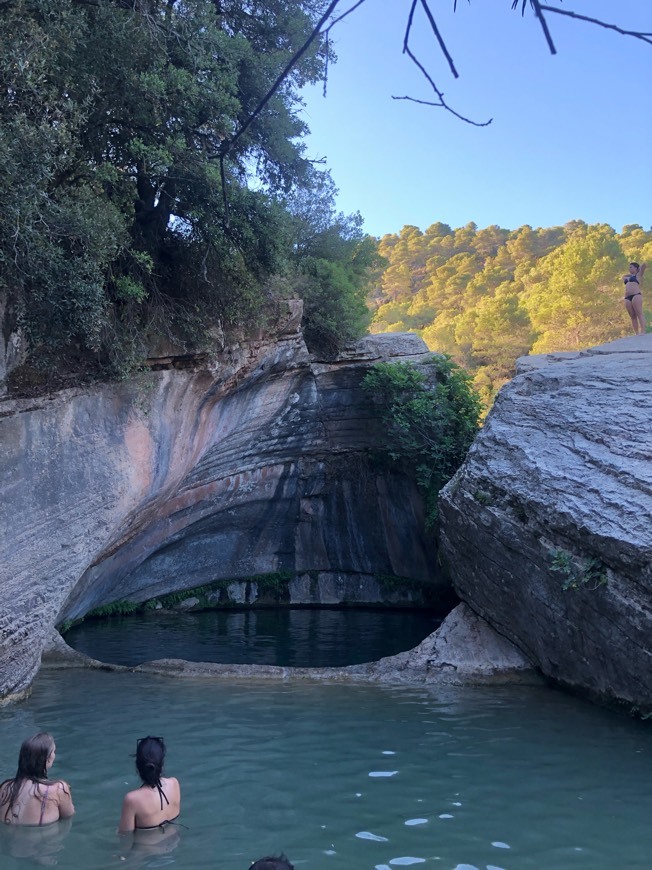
(115,178)
(154,182)
(487,296)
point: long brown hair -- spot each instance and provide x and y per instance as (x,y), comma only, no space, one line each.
(32,765)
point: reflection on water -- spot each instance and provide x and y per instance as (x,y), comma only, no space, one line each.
(140,847)
(41,844)
(344,777)
(304,637)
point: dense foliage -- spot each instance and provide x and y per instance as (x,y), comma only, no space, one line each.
(486,296)
(431,418)
(114,114)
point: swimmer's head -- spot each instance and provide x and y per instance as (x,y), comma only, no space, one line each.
(150,755)
(34,755)
(633,268)
(280,863)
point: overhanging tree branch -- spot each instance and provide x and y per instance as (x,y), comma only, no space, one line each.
(538,8)
(228,144)
(635,34)
(441,102)
(544,25)
(441,42)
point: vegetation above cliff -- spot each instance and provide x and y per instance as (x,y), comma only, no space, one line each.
(431,417)
(487,296)
(125,215)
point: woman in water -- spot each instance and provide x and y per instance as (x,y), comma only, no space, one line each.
(633,299)
(272,863)
(31,798)
(158,800)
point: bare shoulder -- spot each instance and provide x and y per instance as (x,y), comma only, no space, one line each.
(61,788)
(132,798)
(64,799)
(172,783)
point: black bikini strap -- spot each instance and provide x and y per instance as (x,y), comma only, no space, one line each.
(162,794)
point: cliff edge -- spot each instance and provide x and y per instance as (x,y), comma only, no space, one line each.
(547,526)
(256,462)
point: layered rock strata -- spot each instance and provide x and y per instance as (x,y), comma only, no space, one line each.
(256,463)
(547,526)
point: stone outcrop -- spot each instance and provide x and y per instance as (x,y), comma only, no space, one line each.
(12,345)
(255,462)
(547,527)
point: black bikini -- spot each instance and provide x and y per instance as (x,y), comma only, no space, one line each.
(160,824)
(631,279)
(162,796)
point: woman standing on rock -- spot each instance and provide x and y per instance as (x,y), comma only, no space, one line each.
(633,299)
(31,798)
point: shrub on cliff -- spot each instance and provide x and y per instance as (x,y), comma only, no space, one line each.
(431,416)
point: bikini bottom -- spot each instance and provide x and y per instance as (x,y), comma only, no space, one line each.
(629,298)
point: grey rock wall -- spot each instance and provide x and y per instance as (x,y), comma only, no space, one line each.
(547,527)
(12,344)
(255,464)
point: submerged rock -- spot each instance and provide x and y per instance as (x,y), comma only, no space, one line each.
(547,527)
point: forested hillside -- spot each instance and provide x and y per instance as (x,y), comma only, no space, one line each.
(487,296)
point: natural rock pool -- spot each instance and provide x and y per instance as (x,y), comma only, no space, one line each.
(309,637)
(354,777)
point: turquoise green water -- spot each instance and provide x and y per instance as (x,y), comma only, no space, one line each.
(343,777)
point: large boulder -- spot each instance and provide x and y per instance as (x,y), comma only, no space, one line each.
(547,527)
(254,462)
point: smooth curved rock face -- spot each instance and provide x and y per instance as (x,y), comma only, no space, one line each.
(178,479)
(547,527)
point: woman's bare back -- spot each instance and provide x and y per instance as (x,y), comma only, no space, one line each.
(146,808)
(39,804)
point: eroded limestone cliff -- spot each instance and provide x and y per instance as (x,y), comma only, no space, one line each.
(548,524)
(255,464)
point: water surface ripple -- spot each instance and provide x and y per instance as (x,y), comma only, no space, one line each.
(507,779)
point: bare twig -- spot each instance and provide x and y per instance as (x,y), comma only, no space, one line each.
(540,10)
(228,144)
(327,34)
(343,15)
(441,42)
(635,34)
(441,102)
(296,57)
(544,25)
(408,26)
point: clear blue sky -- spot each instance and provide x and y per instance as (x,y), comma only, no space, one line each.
(571,136)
